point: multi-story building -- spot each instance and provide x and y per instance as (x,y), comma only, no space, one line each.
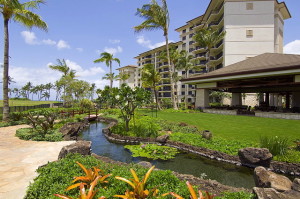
(131,71)
(252,27)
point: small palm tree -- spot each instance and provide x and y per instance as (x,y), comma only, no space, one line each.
(157,18)
(19,12)
(123,76)
(151,78)
(111,77)
(108,59)
(208,38)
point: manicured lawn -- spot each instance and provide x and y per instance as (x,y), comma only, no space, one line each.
(25,102)
(236,127)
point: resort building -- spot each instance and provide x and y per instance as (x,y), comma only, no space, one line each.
(251,28)
(132,81)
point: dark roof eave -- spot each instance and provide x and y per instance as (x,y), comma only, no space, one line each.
(243,73)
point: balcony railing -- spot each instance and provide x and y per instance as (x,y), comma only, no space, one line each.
(217,56)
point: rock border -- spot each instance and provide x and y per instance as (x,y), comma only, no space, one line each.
(275,166)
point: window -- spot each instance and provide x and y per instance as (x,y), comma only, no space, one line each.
(183,46)
(191,35)
(183,93)
(182,86)
(249,6)
(191,42)
(184,31)
(184,38)
(249,33)
(191,28)
(183,72)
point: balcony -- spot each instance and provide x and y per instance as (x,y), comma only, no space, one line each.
(199,49)
(214,13)
(217,22)
(217,57)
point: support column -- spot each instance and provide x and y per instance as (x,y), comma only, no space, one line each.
(202,98)
(287,101)
(261,98)
(279,101)
(275,100)
(267,100)
(271,99)
(296,99)
(236,99)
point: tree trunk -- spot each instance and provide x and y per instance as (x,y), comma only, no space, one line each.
(5,72)
(110,69)
(186,91)
(156,98)
(170,73)
(208,60)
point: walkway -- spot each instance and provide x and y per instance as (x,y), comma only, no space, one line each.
(19,159)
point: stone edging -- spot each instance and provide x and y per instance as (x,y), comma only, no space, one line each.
(278,167)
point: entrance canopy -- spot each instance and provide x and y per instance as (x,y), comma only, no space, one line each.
(265,73)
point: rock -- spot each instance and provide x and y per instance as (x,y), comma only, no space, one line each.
(145,164)
(268,179)
(255,156)
(206,135)
(81,147)
(270,193)
(163,138)
(296,184)
(183,124)
(71,131)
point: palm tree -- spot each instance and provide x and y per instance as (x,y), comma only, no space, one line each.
(157,18)
(68,73)
(186,63)
(48,87)
(123,76)
(92,91)
(111,77)
(108,59)
(208,38)
(151,78)
(19,12)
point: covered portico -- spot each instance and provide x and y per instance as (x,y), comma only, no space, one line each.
(274,77)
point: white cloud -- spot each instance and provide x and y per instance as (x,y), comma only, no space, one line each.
(84,73)
(61,44)
(29,37)
(114,41)
(292,47)
(110,50)
(79,49)
(148,43)
(49,42)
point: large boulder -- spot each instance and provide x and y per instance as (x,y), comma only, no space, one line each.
(270,193)
(255,156)
(81,147)
(296,184)
(72,130)
(163,138)
(207,135)
(145,164)
(267,179)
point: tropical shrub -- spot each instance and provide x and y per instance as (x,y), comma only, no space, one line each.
(140,127)
(56,176)
(276,145)
(35,135)
(126,99)
(152,151)
(91,176)
(86,104)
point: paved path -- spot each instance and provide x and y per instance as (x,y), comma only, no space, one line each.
(19,159)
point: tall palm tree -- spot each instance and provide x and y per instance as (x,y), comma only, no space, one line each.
(186,63)
(208,38)
(68,73)
(19,12)
(151,78)
(157,18)
(108,59)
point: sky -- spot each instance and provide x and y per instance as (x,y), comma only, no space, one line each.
(80,30)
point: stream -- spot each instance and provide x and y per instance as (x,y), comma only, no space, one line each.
(184,163)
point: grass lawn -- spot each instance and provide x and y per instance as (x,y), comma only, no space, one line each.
(236,127)
(26,102)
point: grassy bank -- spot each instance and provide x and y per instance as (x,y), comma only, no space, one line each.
(235,127)
(26,102)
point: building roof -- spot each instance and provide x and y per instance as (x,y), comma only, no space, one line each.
(128,66)
(267,62)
